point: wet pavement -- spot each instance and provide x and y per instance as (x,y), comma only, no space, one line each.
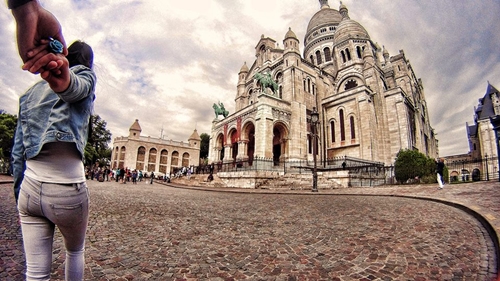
(159,232)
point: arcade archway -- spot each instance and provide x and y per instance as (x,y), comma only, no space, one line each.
(280,137)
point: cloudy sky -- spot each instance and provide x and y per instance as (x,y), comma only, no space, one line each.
(166,62)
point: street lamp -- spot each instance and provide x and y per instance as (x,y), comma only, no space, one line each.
(314,124)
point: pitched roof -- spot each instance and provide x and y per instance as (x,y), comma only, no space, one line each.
(136,126)
(194,136)
(485,109)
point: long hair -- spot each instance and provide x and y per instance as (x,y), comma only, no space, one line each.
(80,53)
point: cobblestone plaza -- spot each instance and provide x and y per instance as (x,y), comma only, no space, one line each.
(159,232)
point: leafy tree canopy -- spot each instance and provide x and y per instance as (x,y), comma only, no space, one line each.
(97,149)
(205,142)
(8,125)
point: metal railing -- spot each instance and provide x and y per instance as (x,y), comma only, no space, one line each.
(474,169)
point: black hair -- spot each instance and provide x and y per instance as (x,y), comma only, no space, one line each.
(80,53)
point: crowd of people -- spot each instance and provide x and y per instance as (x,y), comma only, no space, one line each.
(122,175)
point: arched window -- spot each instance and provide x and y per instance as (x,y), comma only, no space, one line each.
(351,83)
(175,159)
(343,56)
(308,85)
(328,54)
(342,125)
(358,51)
(152,160)
(250,97)
(280,92)
(332,130)
(353,131)
(312,59)
(309,144)
(318,57)
(185,159)
(305,85)
(163,161)
(121,163)
(348,54)
(141,156)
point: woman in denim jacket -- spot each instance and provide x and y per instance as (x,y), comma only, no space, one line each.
(49,176)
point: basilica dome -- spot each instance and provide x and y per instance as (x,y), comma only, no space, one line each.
(321,27)
(350,29)
(324,17)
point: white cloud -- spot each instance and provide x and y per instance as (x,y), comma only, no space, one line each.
(166,62)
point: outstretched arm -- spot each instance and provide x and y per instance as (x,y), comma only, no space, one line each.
(34,23)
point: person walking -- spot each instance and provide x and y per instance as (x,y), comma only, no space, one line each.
(49,176)
(439,172)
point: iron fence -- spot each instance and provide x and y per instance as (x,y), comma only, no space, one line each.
(360,172)
(473,169)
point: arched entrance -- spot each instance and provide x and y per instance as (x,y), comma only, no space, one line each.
(476,175)
(233,136)
(280,135)
(219,147)
(248,137)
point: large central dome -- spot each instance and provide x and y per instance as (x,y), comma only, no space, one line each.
(324,17)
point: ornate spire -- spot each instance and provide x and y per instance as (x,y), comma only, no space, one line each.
(324,4)
(344,11)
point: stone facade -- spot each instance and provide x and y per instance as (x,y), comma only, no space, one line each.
(370,104)
(154,154)
(483,137)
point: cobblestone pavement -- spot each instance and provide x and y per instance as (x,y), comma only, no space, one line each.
(158,232)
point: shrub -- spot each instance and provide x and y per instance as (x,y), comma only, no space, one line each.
(411,164)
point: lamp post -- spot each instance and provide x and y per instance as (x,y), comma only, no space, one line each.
(314,124)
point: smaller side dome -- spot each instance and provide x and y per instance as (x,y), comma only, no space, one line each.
(244,68)
(290,34)
(350,29)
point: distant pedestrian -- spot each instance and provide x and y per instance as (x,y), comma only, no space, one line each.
(117,174)
(134,177)
(152,177)
(439,172)
(123,175)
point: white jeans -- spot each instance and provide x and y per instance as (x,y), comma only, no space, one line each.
(42,206)
(440,180)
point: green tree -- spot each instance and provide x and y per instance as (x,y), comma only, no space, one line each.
(204,145)
(411,164)
(97,149)
(8,124)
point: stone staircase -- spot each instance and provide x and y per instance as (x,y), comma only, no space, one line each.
(199,180)
(301,182)
(268,180)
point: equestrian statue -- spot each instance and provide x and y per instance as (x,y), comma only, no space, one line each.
(266,81)
(220,110)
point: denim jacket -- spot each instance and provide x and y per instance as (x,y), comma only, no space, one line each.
(46,116)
